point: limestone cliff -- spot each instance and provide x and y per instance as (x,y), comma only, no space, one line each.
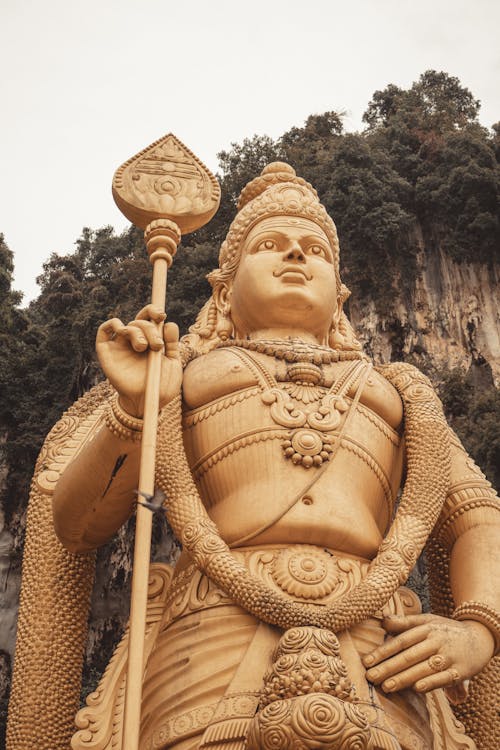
(450,319)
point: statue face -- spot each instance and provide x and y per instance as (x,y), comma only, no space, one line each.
(285,279)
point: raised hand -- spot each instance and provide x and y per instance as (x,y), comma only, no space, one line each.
(427,652)
(122,352)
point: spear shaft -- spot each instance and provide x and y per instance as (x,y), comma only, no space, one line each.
(162,237)
(165,189)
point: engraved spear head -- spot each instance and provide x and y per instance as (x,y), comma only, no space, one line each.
(166,181)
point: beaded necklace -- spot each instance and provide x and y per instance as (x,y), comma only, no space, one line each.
(295,350)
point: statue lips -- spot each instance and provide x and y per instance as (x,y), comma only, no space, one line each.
(291,273)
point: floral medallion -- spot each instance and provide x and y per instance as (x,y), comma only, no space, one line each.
(309,573)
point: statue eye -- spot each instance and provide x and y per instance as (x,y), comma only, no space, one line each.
(317,250)
(267,245)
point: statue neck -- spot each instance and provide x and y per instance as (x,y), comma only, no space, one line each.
(285,334)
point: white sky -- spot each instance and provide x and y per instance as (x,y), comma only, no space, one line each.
(85,84)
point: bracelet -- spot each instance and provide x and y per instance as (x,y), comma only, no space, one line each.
(482,613)
(121,424)
(133,423)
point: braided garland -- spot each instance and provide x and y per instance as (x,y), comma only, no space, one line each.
(428,460)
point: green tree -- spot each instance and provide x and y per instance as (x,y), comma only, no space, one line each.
(435,104)
(434,141)
(457,196)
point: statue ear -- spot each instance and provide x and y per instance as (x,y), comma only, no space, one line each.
(224,327)
(222,297)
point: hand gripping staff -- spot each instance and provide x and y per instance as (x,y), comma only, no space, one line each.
(165,190)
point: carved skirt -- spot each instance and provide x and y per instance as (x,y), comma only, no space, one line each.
(205,674)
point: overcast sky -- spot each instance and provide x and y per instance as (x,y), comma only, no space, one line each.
(85,85)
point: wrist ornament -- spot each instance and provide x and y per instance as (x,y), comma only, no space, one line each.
(482,613)
(121,424)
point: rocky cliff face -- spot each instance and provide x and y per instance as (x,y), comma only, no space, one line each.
(451,320)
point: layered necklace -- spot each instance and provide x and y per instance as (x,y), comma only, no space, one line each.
(295,350)
(310,440)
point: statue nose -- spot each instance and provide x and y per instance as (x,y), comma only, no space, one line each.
(295,252)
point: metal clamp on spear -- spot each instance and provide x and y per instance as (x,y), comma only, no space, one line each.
(166,191)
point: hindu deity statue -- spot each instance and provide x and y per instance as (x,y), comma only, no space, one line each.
(303,483)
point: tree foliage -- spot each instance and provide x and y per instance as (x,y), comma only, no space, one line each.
(433,138)
(435,104)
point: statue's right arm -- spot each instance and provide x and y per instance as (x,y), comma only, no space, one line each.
(96,493)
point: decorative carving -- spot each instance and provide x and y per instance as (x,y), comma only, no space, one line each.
(296,350)
(55,621)
(308,447)
(448,732)
(310,574)
(382,426)
(198,415)
(166,180)
(480,612)
(191,591)
(242,441)
(283,410)
(308,700)
(363,454)
(65,440)
(428,476)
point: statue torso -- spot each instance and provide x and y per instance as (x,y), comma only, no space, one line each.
(249,432)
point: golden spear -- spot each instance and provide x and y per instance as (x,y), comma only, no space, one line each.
(165,190)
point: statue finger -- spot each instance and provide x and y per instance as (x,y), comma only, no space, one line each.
(393,646)
(399,663)
(400,623)
(108,330)
(149,332)
(135,337)
(151,312)
(426,671)
(171,338)
(446,678)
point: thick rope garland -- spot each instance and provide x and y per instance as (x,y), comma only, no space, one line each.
(428,473)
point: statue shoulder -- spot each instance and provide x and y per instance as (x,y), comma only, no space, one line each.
(411,384)
(403,376)
(214,375)
(381,397)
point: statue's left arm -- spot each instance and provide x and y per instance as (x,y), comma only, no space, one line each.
(428,651)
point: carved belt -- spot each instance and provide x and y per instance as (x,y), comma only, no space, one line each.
(302,572)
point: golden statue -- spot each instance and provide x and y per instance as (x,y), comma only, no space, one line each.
(286,622)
